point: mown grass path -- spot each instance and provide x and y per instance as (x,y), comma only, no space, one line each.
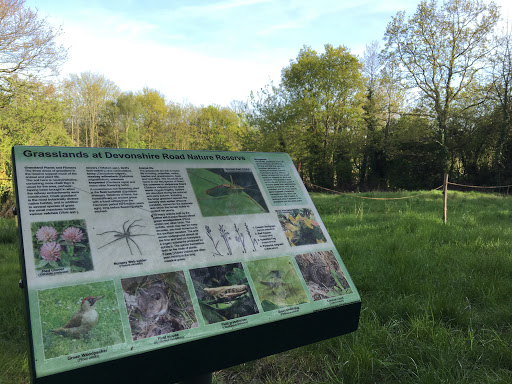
(437,299)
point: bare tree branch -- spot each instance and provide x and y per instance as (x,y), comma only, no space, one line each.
(27,43)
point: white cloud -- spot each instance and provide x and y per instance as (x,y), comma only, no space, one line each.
(176,72)
(221,6)
(217,52)
(281,27)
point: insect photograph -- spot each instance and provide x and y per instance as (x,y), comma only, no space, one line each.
(128,233)
(223,292)
(277,283)
(223,192)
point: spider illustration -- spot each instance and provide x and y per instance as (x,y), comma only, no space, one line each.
(126,234)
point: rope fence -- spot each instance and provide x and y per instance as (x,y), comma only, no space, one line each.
(444,186)
(373,198)
(479,186)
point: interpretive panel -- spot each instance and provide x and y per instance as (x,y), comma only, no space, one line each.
(128,251)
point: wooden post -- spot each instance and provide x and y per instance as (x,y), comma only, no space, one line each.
(445,196)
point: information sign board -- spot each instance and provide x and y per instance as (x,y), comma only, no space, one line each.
(145,255)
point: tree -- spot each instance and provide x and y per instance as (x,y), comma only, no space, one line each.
(474,133)
(130,109)
(441,50)
(88,93)
(215,128)
(154,112)
(30,114)
(178,126)
(27,43)
(271,121)
(501,64)
(373,160)
(325,92)
(412,159)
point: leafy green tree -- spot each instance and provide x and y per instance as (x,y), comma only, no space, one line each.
(474,133)
(87,95)
(412,154)
(129,108)
(29,110)
(441,50)
(373,161)
(318,109)
(216,128)
(393,94)
(109,125)
(178,126)
(270,123)
(154,113)
(501,72)
(30,114)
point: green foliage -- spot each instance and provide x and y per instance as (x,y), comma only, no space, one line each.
(413,158)
(13,335)
(315,112)
(216,128)
(439,48)
(30,114)
(154,112)
(87,95)
(129,109)
(347,123)
(236,276)
(338,289)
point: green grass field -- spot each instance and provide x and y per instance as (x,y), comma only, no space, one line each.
(13,339)
(437,299)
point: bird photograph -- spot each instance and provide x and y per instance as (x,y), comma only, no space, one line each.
(81,323)
(79,318)
(158,304)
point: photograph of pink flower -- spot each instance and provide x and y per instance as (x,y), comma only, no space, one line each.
(72,234)
(51,251)
(61,244)
(46,233)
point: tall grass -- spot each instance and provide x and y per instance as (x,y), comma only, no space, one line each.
(13,340)
(437,299)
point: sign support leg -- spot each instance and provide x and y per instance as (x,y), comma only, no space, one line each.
(201,379)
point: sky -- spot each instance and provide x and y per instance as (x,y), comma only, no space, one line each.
(212,51)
